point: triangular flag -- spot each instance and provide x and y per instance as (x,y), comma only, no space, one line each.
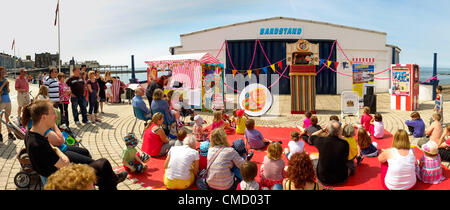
(280,64)
(234,72)
(273,67)
(321,62)
(265,69)
(257,72)
(336,64)
(351,64)
(344,65)
(329,63)
(249,74)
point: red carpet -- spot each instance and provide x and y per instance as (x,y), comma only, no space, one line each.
(366,177)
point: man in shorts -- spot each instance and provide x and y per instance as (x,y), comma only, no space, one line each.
(22,88)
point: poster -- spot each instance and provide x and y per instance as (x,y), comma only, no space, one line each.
(401,81)
(255,99)
(349,103)
(363,77)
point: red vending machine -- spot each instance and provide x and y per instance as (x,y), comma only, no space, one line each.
(405,81)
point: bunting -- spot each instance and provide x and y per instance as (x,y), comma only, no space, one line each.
(329,63)
(280,64)
(336,64)
(273,67)
(265,70)
(257,72)
(249,74)
(234,73)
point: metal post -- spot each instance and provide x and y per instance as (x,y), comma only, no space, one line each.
(435,81)
(133,75)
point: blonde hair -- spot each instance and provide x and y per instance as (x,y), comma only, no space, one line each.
(61,75)
(401,140)
(91,73)
(218,116)
(348,131)
(274,151)
(366,110)
(43,91)
(437,117)
(72,177)
(155,118)
(219,138)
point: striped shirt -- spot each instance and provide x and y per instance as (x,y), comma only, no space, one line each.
(430,170)
(53,88)
(220,176)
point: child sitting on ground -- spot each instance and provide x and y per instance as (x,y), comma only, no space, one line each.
(180,137)
(377,126)
(272,170)
(253,138)
(366,146)
(240,121)
(200,133)
(203,150)
(307,120)
(239,147)
(294,146)
(349,132)
(314,127)
(249,171)
(130,157)
(416,126)
(434,131)
(365,120)
(428,168)
(219,123)
(234,119)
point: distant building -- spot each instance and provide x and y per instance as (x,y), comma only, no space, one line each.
(45,60)
(91,64)
(7,61)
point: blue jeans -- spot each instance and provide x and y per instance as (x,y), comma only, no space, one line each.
(237,173)
(79,101)
(93,103)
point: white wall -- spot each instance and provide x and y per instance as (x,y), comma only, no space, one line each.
(355,43)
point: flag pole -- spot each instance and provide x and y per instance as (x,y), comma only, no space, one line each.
(59,41)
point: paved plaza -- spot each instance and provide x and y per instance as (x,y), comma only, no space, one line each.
(105,140)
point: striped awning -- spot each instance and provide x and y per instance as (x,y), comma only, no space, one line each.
(203,58)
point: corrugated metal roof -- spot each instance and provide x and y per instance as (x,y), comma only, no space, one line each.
(285,18)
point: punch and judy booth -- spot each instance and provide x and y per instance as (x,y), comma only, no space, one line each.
(199,77)
(405,87)
(303,58)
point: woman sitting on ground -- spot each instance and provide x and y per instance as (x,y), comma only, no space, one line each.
(181,165)
(155,142)
(219,176)
(300,174)
(398,171)
(444,145)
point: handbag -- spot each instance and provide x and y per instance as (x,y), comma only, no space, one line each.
(201,179)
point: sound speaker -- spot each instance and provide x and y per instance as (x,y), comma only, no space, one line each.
(371,102)
(370,91)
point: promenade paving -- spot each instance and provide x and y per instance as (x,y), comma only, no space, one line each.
(105,140)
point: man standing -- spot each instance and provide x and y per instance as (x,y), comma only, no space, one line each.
(333,149)
(22,88)
(77,86)
(53,86)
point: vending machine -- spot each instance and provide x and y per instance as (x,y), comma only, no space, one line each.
(405,81)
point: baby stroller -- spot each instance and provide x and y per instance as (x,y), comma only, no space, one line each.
(24,177)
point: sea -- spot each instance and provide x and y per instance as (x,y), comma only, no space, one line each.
(425,74)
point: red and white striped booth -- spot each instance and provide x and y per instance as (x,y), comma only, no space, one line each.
(405,87)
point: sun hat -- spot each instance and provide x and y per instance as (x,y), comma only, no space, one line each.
(240,112)
(204,146)
(430,147)
(198,120)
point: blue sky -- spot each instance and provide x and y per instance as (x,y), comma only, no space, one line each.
(110,31)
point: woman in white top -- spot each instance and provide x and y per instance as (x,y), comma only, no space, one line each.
(398,164)
(181,165)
